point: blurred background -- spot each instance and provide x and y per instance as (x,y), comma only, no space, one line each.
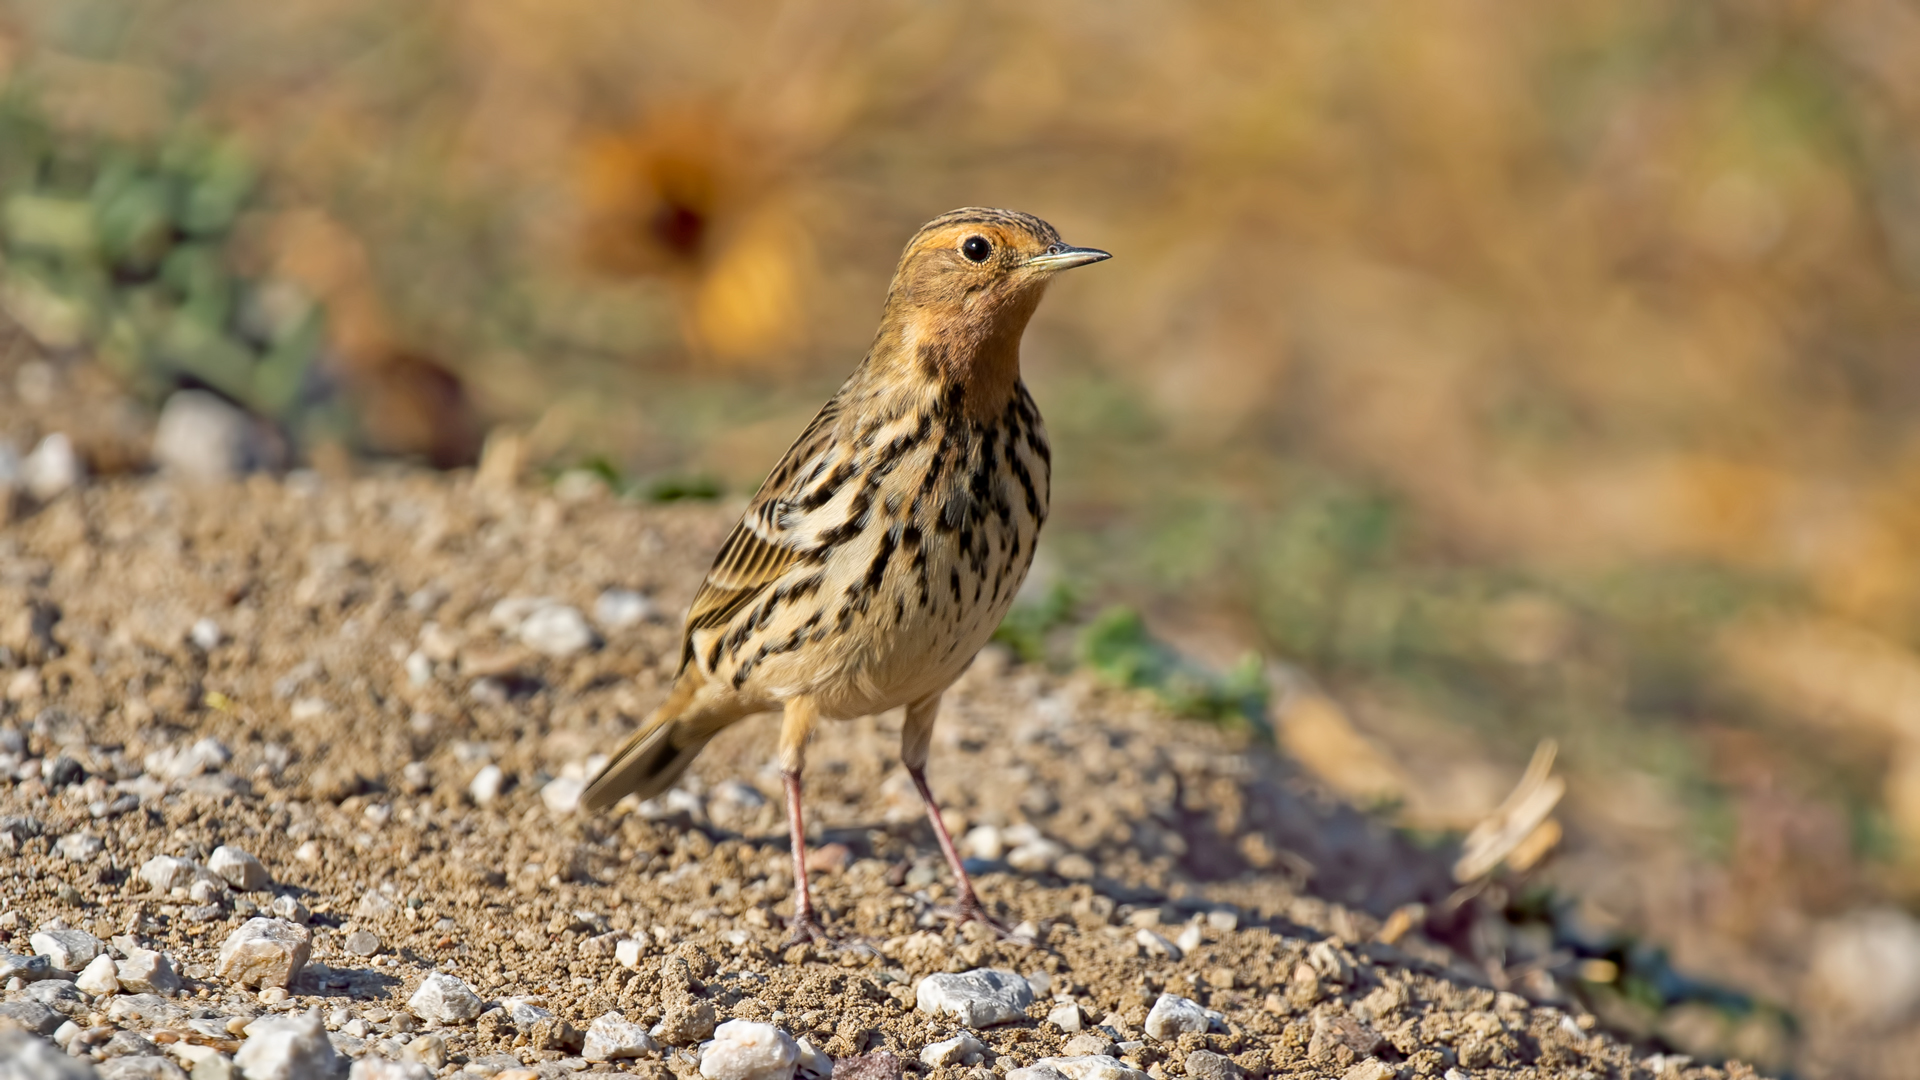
(1468,374)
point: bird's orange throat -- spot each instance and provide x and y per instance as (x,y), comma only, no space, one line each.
(974,343)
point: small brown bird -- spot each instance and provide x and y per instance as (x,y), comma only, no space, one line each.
(886,546)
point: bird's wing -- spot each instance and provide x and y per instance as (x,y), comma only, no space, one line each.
(761,548)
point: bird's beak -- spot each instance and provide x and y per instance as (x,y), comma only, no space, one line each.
(1065,257)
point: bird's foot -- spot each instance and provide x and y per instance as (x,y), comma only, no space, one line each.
(971,910)
(807,930)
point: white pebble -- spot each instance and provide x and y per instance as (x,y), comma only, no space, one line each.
(814,1061)
(1173,1016)
(978,998)
(287,1048)
(749,1050)
(524,1010)
(562,795)
(419,668)
(1190,938)
(239,869)
(205,635)
(264,952)
(618,609)
(556,630)
(291,909)
(202,437)
(80,847)
(1065,1016)
(613,1037)
(486,785)
(984,842)
(1223,921)
(165,873)
(962,1049)
(627,953)
(1035,856)
(444,999)
(1089,1067)
(1156,946)
(66,948)
(99,977)
(379,1068)
(146,971)
(51,468)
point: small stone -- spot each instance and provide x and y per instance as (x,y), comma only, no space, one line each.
(1076,1068)
(553,1033)
(618,609)
(686,1023)
(1173,1016)
(26,968)
(1036,856)
(215,1066)
(274,995)
(164,873)
(287,1048)
(362,943)
(129,1044)
(984,842)
(203,891)
(67,949)
(1066,1017)
(30,1016)
(613,1037)
(375,905)
(1207,1065)
(979,998)
(80,847)
(1156,946)
(308,852)
(1190,938)
(444,999)
(628,951)
(428,1050)
(1368,1070)
(1088,1045)
(814,1062)
(556,630)
(25,1057)
(522,1011)
(239,869)
(264,952)
(201,437)
(141,1067)
(562,794)
(378,1068)
(52,468)
(99,976)
(1223,920)
(205,634)
(748,1050)
(291,909)
(486,785)
(962,1049)
(878,1065)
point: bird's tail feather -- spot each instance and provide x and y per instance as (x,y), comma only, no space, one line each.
(653,757)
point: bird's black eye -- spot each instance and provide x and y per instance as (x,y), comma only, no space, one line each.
(976,248)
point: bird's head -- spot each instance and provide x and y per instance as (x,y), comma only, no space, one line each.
(967,284)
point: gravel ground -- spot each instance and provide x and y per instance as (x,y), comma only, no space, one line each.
(388,689)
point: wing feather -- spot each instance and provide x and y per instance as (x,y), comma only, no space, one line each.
(758,551)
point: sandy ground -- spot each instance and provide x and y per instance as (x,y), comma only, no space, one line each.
(361,651)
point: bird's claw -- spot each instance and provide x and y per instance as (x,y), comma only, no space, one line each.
(807,930)
(970,910)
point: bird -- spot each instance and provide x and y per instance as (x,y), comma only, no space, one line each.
(884,549)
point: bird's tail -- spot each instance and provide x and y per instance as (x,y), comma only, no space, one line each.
(653,757)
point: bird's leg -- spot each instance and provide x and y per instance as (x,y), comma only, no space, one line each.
(795,725)
(916,737)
